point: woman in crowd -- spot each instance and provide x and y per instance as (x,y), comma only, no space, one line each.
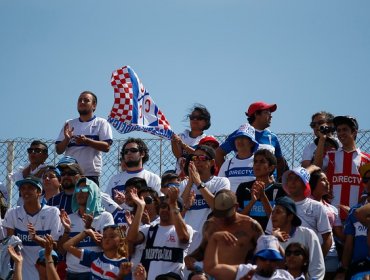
(296,260)
(185,142)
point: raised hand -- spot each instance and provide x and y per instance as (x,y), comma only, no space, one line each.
(16,256)
(119,197)
(68,131)
(125,268)
(173,195)
(48,245)
(66,222)
(31,231)
(190,200)
(87,219)
(139,201)
(280,235)
(95,236)
(140,272)
(194,174)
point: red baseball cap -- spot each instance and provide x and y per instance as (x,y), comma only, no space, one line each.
(209,139)
(260,106)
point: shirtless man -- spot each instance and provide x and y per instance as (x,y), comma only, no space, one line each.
(225,218)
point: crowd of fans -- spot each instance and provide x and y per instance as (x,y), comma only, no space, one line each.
(246,216)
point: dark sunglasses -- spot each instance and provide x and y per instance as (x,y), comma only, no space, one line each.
(365,179)
(196,118)
(313,124)
(36,151)
(148,200)
(293,252)
(200,158)
(132,150)
(69,173)
(176,185)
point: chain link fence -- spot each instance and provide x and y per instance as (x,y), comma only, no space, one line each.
(13,155)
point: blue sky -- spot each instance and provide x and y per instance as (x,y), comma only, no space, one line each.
(306,56)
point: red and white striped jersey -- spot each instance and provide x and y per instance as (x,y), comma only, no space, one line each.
(344,177)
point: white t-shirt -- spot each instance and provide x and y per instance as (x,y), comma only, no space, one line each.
(309,152)
(88,158)
(2,230)
(166,237)
(199,211)
(237,171)
(46,221)
(279,274)
(99,222)
(118,181)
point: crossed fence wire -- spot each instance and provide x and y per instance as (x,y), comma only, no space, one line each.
(13,155)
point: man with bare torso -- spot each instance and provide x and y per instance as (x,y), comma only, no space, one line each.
(225,218)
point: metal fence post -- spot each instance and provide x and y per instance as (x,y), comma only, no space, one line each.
(160,156)
(9,167)
(293,151)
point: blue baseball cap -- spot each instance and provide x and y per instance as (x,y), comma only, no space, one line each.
(67,160)
(34,181)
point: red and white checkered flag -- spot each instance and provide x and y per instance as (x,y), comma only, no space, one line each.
(133,108)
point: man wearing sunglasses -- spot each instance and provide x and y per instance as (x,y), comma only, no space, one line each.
(37,155)
(201,167)
(71,172)
(134,155)
(86,137)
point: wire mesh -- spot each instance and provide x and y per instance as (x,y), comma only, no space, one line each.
(13,155)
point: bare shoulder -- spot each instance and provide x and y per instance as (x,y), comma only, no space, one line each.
(250,223)
(209,226)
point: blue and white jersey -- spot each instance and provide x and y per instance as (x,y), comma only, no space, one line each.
(46,221)
(166,253)
(353,227)
(77,226)
(199,211)
(265,138)
(118,181)
(88,158)
(102,267)
(237,171)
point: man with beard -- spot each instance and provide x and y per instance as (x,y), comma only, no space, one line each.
(84,138)
(134,154)
(71,172)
